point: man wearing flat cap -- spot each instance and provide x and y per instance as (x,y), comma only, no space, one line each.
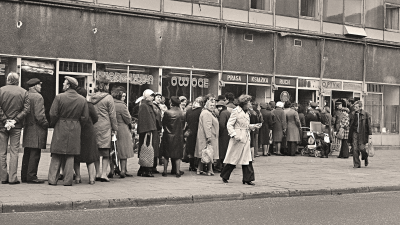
(35,133)
(14,105)
(68,111)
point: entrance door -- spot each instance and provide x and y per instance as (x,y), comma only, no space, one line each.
(306,96)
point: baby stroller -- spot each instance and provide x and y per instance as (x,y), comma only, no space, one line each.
(316,140)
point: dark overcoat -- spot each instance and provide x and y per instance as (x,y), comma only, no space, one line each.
(365,128)
(192,119)
(172,139)
(68,111)
(223,132)
(279,120)
(148,122)
(293,126)
(35,125)
(266,127)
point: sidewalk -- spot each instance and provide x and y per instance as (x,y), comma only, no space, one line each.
(276,176)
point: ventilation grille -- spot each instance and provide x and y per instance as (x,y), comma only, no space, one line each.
(298,43)
(375,88)
(248,37)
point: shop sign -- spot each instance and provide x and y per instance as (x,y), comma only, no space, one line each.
(259,79)
(134,78)
(332,85)
(184,82)
(2,69)
(285,96)
(352,86)
(285,81)
(37,67)
(308,83)
(234,78)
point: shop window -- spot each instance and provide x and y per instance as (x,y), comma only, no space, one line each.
(374,14)
(309,8)
(264,5)
(392,17)
(391,110)
(333,11)
(261,94)
(353,10)
(236,4)
(7,65)
(287,8)
(236,89)
(373,105)
(75,67)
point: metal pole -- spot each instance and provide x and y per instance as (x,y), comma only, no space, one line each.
(127,86)
(190,86)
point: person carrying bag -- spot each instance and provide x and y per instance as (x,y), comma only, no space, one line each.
(146,158)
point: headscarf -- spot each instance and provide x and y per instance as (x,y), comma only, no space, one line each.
(207,107)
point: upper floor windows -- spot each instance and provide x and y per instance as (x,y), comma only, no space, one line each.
(353,11)
(309,8)
(265,5)
(392,17)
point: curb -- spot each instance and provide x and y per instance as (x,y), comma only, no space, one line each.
(174,200)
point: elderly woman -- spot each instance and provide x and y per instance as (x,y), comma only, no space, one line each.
(208,133)
(106,126)
(239,145)
(192,119)
(279,127)
(124,137)
(344,125)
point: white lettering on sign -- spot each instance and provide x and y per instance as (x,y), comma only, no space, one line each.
(233,78)
(138,79)
(184,82)
(284,82)
(260,80)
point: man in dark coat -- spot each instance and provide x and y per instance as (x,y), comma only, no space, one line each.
(148,124)
(172,140)
(312,114)
(35,134)
(224,115)
(68,111)
(360,129)
(192,119)
(14,105)
(266,129)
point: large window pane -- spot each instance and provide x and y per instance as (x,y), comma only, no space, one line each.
(353,10)
(261,4)
(309,8)
(333,11)
(391,109)
(236,4)
(374,14)
(392,17)
(287,8)
(373,105)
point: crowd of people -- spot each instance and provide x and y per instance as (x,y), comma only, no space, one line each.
(226,130)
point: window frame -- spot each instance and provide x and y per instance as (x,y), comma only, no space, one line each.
(271,7)
(206,2)
(382,111)
(318,12)
(384,17)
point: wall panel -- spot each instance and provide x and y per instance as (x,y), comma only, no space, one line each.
(383,65)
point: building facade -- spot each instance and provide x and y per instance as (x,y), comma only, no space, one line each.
(302,50)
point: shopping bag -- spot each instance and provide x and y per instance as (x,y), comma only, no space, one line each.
(146,158)
(340,133)
(207,154)
(371,149)
(114,156)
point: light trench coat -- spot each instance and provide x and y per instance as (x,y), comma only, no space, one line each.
(239,151)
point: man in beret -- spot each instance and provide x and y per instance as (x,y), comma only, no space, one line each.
(35,133)
(14,105)
(68,111)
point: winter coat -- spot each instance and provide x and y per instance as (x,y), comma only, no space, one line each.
(124,137)
(279,120)
(312,115)
(266,127)
(208,128)
(293,126)
(365,128)
(326,119)
(67,113)
(14,105)
(337,119)
(172,139)
(302,119)
(192,119)
(104,104)
(148,122)
(224,137)
(239,152)
(35,125)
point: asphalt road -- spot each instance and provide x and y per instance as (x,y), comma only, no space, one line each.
(371,208)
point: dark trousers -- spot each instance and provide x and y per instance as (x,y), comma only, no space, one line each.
(325,148)
(292,148)
(344,149)
(247,170)
(55,164)
(30,163)
(357,149)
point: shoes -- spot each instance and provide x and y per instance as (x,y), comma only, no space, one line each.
(97,179)
(139,174)
(122,175)
(78,181)
(156,171)
(37,181)
(128,175)
(147,175)
(181,172)
(92,182)
(248,183)
(357,167)
(164,174)
(110,175)
(210,174)
(366,162)
(225,181)
(61,177)
(178,176)
(52,184)
(4,182)
(340,157)
(104,180)
(192,169)
(16,182)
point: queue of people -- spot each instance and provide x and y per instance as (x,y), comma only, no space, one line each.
(232,129)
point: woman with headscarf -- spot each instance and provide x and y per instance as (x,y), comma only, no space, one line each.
(279,127)
(239,152)
(207,133)
(192,119)
(265,130)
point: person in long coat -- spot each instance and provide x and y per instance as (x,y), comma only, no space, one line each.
(106,126)
(192,119)
(266,128)
(224,138)
(344,124)
(67,113)
(124,137)
(172,139)
(301,110)
(293,131)
(279,126)
(148,123)
(35,133)
(255,118)
(89,151)
(207,134)
(239,152)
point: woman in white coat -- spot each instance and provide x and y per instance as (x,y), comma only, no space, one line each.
(239,145)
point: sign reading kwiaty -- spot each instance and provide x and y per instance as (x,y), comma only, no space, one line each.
(134,78)
(185,81)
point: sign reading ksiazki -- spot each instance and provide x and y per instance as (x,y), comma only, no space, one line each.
(184,82)
(238,78)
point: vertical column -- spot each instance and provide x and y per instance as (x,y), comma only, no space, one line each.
(128,84)
(191,85)
(159,89)
(297,90)
(57,77)
(247,84)
(19,62)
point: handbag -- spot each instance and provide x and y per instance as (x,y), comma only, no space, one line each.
(340,133)
(146,158)
(371,149)
(270,137)
(207,154)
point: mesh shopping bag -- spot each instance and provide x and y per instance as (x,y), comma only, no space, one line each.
(146,158)
(207,154)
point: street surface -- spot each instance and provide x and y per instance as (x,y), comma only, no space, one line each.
(364,209)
